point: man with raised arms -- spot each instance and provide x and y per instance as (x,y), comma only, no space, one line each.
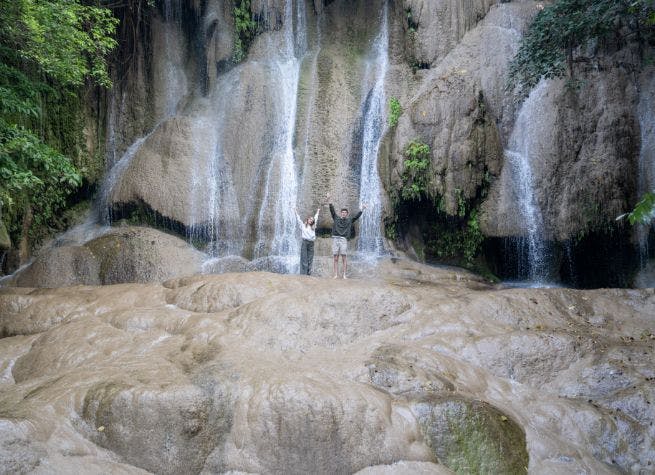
(342,227)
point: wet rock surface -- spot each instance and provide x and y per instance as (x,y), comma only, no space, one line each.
(121,254)
(411,370)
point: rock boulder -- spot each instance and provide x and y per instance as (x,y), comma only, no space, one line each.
(123,254)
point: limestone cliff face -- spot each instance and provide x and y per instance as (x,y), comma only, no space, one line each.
(213,130)
(229,125)
(153,70)
(205,113)
(588,148)
(585,140)
(458,106)
(436,27)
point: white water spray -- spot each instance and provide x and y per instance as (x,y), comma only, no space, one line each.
(281,191)
(173,75)
(520,156)
(370,241)
(174,88)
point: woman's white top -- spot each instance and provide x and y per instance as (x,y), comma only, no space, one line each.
(308,232)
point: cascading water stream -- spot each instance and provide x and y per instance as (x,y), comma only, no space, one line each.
(311,99)
(175,82)
(113,177)
(281,188)
(219,224)
(370,241)
(174,86)
(520,156)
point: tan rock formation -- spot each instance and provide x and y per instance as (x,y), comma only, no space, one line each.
(232,129)
(123,254)
(221,139)
(587,144)
(266,373)
(458,107)
(436,27)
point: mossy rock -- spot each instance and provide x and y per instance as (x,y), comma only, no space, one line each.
(126,254)
(139,254)
(5,241)
(471,436)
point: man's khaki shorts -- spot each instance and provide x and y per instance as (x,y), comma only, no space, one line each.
(339,246)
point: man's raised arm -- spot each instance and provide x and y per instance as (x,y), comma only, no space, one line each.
(332,212)
(358,215)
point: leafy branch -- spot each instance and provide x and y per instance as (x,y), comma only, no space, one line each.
(552,44)
(415,175)
(395,110)
(644,211)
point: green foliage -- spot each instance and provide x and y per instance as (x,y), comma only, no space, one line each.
(245,29)
(415,176)
(33,175)
(48,49)
(558,30)
(18,94)
(412,25)
(457,240)
(390,229)
(68,40)
(644,211)
(461,203)
(395,110)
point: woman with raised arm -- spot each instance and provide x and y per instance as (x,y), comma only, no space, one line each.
(308,231)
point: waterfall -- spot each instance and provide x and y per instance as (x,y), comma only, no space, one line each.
(520,156)
(174,86)
(113,177)
(219,223)
(173,76)
(311,99)
(374,106)
(281,187)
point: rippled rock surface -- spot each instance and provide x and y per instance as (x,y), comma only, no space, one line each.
(413,370)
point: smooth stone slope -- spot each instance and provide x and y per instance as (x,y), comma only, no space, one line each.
(119,255)
(413,370)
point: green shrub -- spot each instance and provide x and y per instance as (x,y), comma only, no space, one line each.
(245,29)
(35,177)
(415,176)
(48,51)
(458,240)
(643,212)
(553,40)
(395,110)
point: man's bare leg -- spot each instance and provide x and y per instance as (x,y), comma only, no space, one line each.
(336,266)
(345,266)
